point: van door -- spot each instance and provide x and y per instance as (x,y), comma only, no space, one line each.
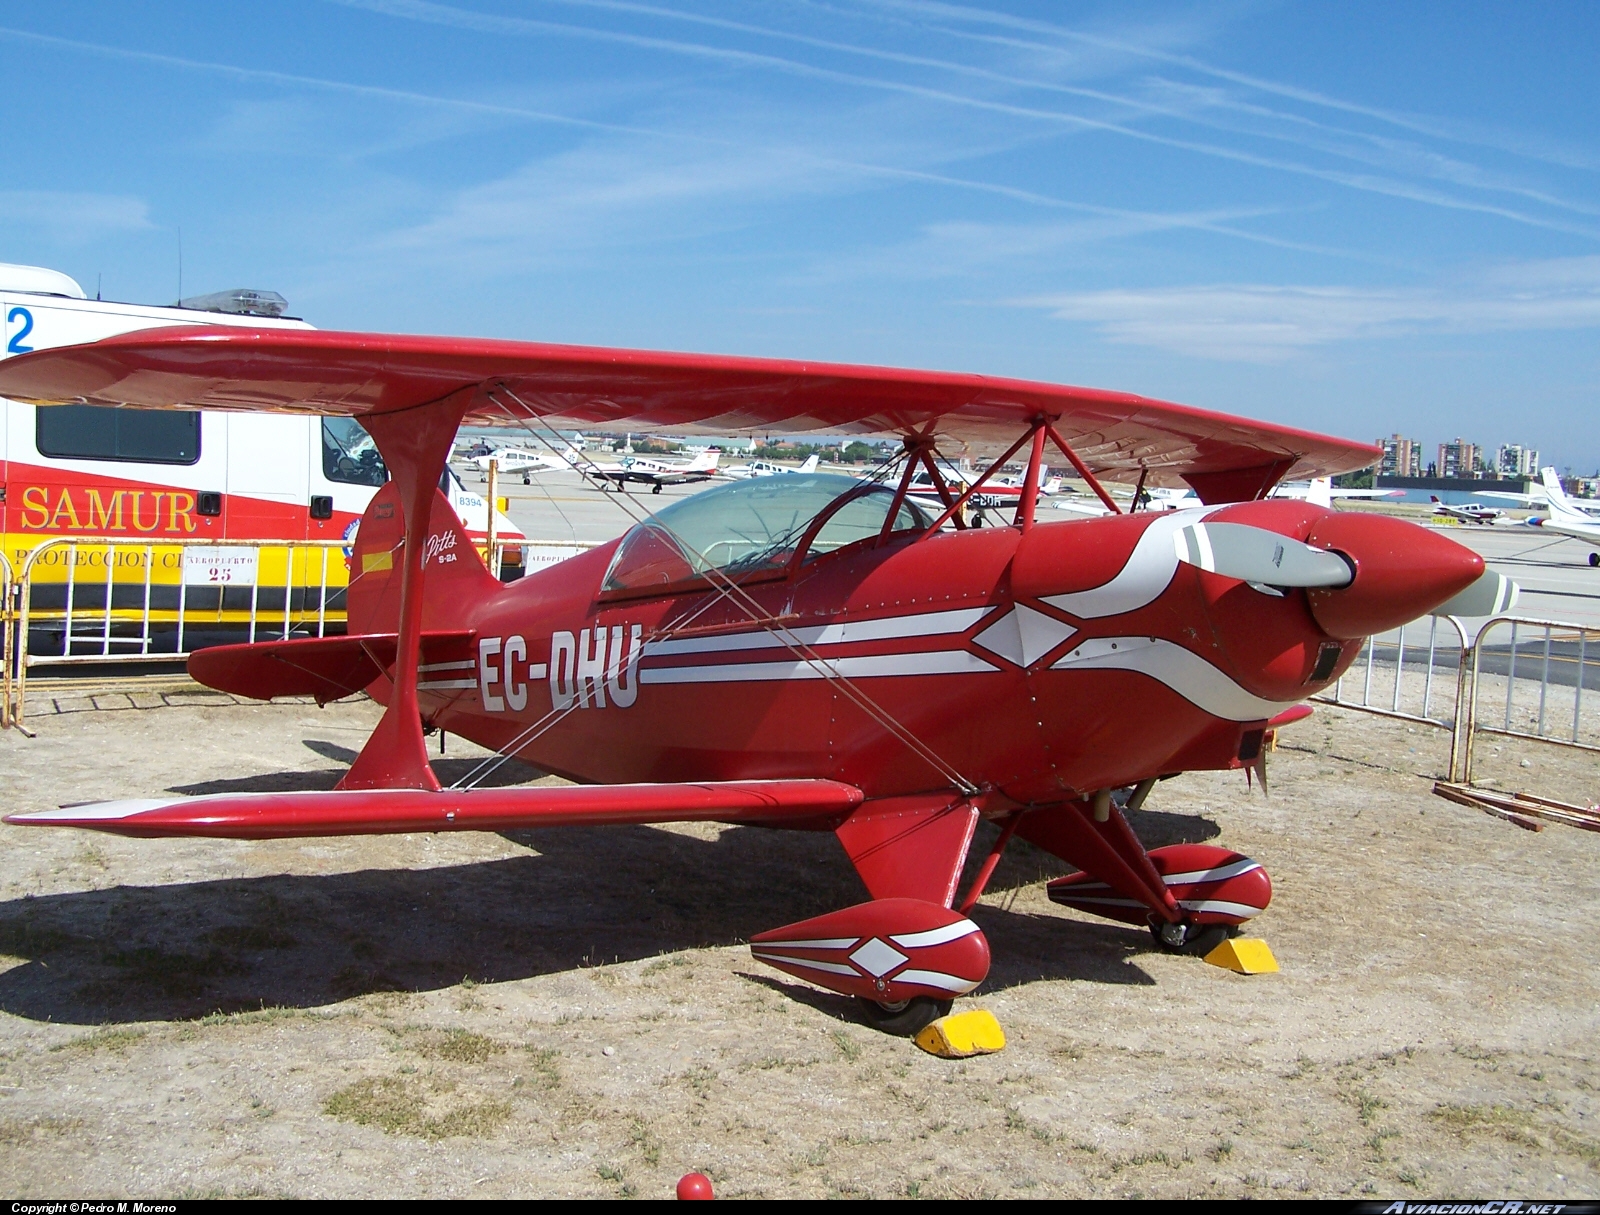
(269,479)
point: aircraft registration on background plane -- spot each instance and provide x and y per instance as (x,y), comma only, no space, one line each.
(1467,512)
(809,651)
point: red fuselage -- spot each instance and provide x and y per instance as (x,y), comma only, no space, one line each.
(1040,666)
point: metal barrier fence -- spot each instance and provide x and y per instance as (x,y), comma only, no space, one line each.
(1528,680)
(1419,674)
(1519,676)
(7,641)
(107,599)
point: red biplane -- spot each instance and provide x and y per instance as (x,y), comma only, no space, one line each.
(810,651)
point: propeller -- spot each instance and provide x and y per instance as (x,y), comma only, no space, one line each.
(1490,595)
(1254,554)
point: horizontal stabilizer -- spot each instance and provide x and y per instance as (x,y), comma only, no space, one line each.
(261,816)
(324,667)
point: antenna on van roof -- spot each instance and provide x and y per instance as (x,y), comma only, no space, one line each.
(180,263)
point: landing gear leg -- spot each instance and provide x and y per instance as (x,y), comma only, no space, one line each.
(908,1017)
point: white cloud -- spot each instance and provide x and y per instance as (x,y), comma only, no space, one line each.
(73,218)
(1267,324)
(625,194)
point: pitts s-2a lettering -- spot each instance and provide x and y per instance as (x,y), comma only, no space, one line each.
(809,650)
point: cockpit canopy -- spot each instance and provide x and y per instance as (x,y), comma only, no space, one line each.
(755,527)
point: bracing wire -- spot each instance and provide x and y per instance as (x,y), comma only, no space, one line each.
(729,589)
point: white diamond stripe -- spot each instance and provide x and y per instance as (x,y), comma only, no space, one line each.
(877,958)
(935,936)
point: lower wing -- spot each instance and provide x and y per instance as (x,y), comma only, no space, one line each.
(259,816)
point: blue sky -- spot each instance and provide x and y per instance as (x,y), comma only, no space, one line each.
(1354,217)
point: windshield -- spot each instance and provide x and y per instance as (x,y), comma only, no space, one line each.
(748,527)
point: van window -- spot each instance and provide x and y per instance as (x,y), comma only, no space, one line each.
(104,432)
(349,455)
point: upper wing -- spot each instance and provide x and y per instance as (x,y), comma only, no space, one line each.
(260,816)
(327,372)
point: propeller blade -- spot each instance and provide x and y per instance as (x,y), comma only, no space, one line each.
(1253,554)
(1490,595)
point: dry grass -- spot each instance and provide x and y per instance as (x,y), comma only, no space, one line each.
(425,1108)
(115,1040)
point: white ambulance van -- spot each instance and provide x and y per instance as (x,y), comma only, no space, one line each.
(133,479)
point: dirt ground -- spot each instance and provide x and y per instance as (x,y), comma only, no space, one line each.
(573,1012)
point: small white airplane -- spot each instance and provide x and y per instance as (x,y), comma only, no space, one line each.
(1539,499)
(998,493)
(1565,518)
(1319,492)
(654,473)
(1470,512)
(512,460)
(766,468)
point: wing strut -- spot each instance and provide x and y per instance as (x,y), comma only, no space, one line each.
(1083,470)
(414,443)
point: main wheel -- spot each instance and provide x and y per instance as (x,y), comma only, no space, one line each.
(907,1017)
(1594,559)
(1197,940)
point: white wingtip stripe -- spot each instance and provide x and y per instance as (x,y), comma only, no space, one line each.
(97,812)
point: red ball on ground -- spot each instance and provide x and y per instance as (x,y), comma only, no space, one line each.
(694,1185)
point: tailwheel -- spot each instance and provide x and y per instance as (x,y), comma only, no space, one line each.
(1191,940)
(905,1017)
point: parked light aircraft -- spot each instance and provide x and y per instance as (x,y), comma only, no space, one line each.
(766,468)
(1468,512)
(509,461)
(809,651)
(640,470)
(1319,491)
(1565,518)
(1539,499)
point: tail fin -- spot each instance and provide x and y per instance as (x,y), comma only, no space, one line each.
(1320,492)
(452,569)
(1560,505)
(810,466)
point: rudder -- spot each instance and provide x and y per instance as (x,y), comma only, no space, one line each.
(452,569)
